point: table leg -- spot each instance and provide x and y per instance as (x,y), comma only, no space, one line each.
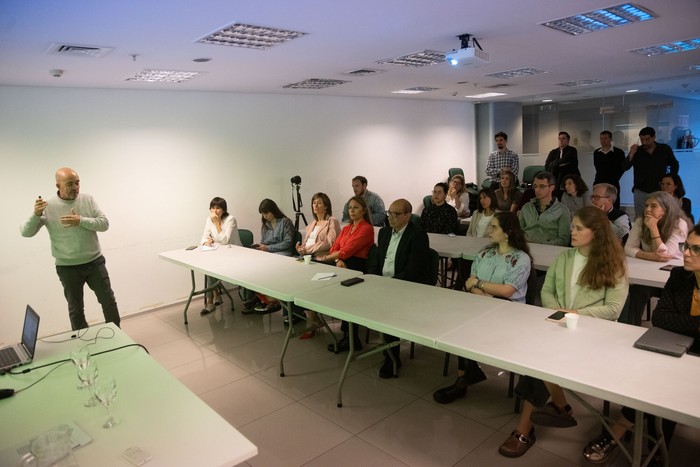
(349,358)
(290,330)
(638,432)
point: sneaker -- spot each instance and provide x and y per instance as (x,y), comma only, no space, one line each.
(271,307)
(551,415)
(598,450)
(208,309)
(451,393)
(517,444)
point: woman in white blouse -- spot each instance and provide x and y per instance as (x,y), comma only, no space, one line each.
(655,237)
(458,197)
(220,228)
(478,227)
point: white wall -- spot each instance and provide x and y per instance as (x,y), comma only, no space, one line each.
(153,161)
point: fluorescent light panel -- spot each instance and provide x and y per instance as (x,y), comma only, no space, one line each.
(248,36)
(520,72)
(417,59)
(605,18)
(315,83)
(581,82)
(669,48)
(163,76)
(487,94)
(415,90)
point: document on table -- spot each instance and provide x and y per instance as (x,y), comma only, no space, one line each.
(323,276)
(209,248)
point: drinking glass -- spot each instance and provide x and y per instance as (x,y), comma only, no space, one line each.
(87,377)
(81,359)
(106,391)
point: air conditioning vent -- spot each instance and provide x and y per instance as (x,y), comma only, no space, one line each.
(79,50)
(363,72)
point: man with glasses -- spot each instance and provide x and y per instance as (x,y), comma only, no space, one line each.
(603,197)
(608,161)
(651,161)
(544,219)
(439,217)
(404,254)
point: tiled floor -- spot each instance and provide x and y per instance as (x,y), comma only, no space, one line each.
(231,361)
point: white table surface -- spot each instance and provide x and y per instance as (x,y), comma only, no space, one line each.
(456,246)
(157,412)
(281,277)
(597,358)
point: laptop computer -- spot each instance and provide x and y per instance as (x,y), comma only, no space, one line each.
(22,353)
(665,342)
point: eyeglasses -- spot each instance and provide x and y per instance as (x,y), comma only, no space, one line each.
(393,214)
(694,250)
(597,197)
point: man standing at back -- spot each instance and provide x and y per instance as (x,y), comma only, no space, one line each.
(500,160)
(73,220)
(562,160)
(403,253)
(374,202)
(544,219)
(608,161)
(651,161)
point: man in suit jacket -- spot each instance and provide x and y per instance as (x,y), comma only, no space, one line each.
(403,253)
(562,161)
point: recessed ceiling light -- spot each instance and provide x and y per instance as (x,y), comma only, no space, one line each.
(604,18)
(246,35)
(163,76)
(415,90)
(632,90)
(517,73)
(581,82)
(669,48)
(315,83)
(487,94)
(426,57)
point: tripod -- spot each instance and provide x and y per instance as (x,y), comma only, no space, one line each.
(297,205)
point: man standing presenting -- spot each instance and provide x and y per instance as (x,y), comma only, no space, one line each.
(544,219)
(608,161)
(651,161)
(403,253)
(374,202)
(73,220)
(562,160)
(439,217)
(503,159)
(603,197)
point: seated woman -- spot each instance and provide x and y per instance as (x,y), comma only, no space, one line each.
(276,236)
(589,279)
(678,311)
(479,225)
(576,194)
(220,228)
(655,237)
(458,197)
(319,238)
(508,196)
(673,185)
(500,270)
(351,250)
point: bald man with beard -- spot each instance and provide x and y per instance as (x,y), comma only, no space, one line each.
(73,220)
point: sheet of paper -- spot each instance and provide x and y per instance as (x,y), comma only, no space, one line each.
(323,276)
(209,248)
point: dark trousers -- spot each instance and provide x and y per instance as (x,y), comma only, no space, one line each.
(638,296)
(96,276)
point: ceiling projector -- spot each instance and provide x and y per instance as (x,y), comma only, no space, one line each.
(469,56)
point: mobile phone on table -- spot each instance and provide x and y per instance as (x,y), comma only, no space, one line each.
(557,316)
(353,281)
(668,267)
(191,247)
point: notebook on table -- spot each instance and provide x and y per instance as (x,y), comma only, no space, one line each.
(22,353)
(665,342)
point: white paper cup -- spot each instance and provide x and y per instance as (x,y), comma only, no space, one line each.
(571,320)
(307,259)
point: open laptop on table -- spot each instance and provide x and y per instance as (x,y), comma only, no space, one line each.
(22,353)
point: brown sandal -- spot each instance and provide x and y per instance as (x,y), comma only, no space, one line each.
(517,444)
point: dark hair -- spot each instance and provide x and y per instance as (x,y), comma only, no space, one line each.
(564,133)
(679,192)
(695,230)
(489,193)
(647,131)
(508,222)
(544,175)
(443,185)
(581,186)
(669,221)
(606,260)
(502,135)
(326,201)
(361,201)
(267,205)
(360,178)
(217,202)
(512,188)
(606,132)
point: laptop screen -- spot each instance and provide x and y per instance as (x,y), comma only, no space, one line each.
(30,331)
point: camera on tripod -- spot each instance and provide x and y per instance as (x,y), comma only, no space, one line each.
(296,201)
(296,180)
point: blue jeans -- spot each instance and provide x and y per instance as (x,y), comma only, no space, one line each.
(96,276)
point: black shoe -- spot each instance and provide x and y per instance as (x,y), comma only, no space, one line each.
(295,320)
(474,374)
(387,369)
(551,415)
(271,307)
(451,393)
(344,345)
(251,303)
(208,309)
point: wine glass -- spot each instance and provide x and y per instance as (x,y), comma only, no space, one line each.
(106,391)
(87,377)
(81,359)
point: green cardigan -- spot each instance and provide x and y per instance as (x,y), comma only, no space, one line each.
(603,303)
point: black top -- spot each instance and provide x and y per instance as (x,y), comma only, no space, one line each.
(673,311)
(562,166)
(608,166)
(649,169)
(439,219)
